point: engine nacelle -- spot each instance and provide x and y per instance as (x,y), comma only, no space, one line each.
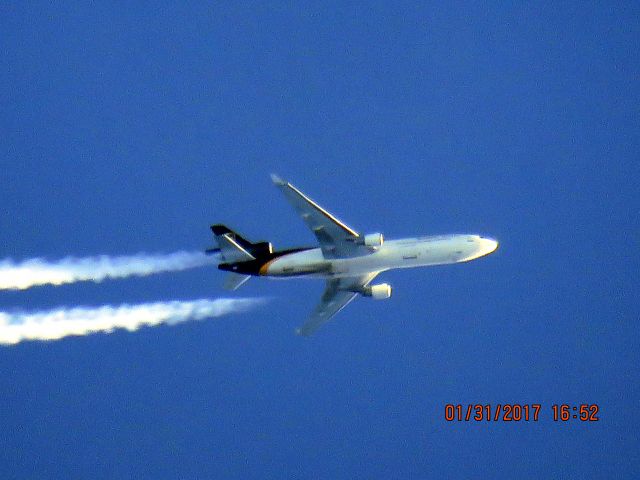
(260,249)
(380,291)
(373,239)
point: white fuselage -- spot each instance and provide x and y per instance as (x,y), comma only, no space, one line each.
(402,253)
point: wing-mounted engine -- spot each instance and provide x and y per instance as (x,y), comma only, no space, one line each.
(380,291)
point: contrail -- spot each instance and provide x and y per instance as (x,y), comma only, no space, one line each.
(62,322)
(38,271)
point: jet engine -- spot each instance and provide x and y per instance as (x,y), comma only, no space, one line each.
(260,249)
(380,291)
(373,239)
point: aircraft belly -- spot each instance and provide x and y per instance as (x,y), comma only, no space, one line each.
(421,254)
(391,255)
(297,264)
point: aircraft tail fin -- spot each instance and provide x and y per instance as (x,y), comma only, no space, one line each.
(235,248)
(231,245)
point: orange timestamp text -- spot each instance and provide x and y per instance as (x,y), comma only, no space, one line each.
(516,412)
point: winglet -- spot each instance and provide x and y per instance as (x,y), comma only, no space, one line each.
(277,180)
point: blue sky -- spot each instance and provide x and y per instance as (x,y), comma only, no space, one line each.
(128,129)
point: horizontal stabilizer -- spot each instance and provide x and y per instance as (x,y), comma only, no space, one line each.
(234,281)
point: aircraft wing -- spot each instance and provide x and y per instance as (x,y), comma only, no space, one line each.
(338,293)
(336,239)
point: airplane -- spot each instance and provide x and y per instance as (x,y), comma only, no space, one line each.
(347,260)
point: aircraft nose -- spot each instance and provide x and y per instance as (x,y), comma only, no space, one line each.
(488,245)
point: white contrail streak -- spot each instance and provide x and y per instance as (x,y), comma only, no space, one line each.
(38,271)
(62,322)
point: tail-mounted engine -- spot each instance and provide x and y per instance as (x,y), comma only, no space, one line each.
(259,249)
(380,291)
(373,240)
